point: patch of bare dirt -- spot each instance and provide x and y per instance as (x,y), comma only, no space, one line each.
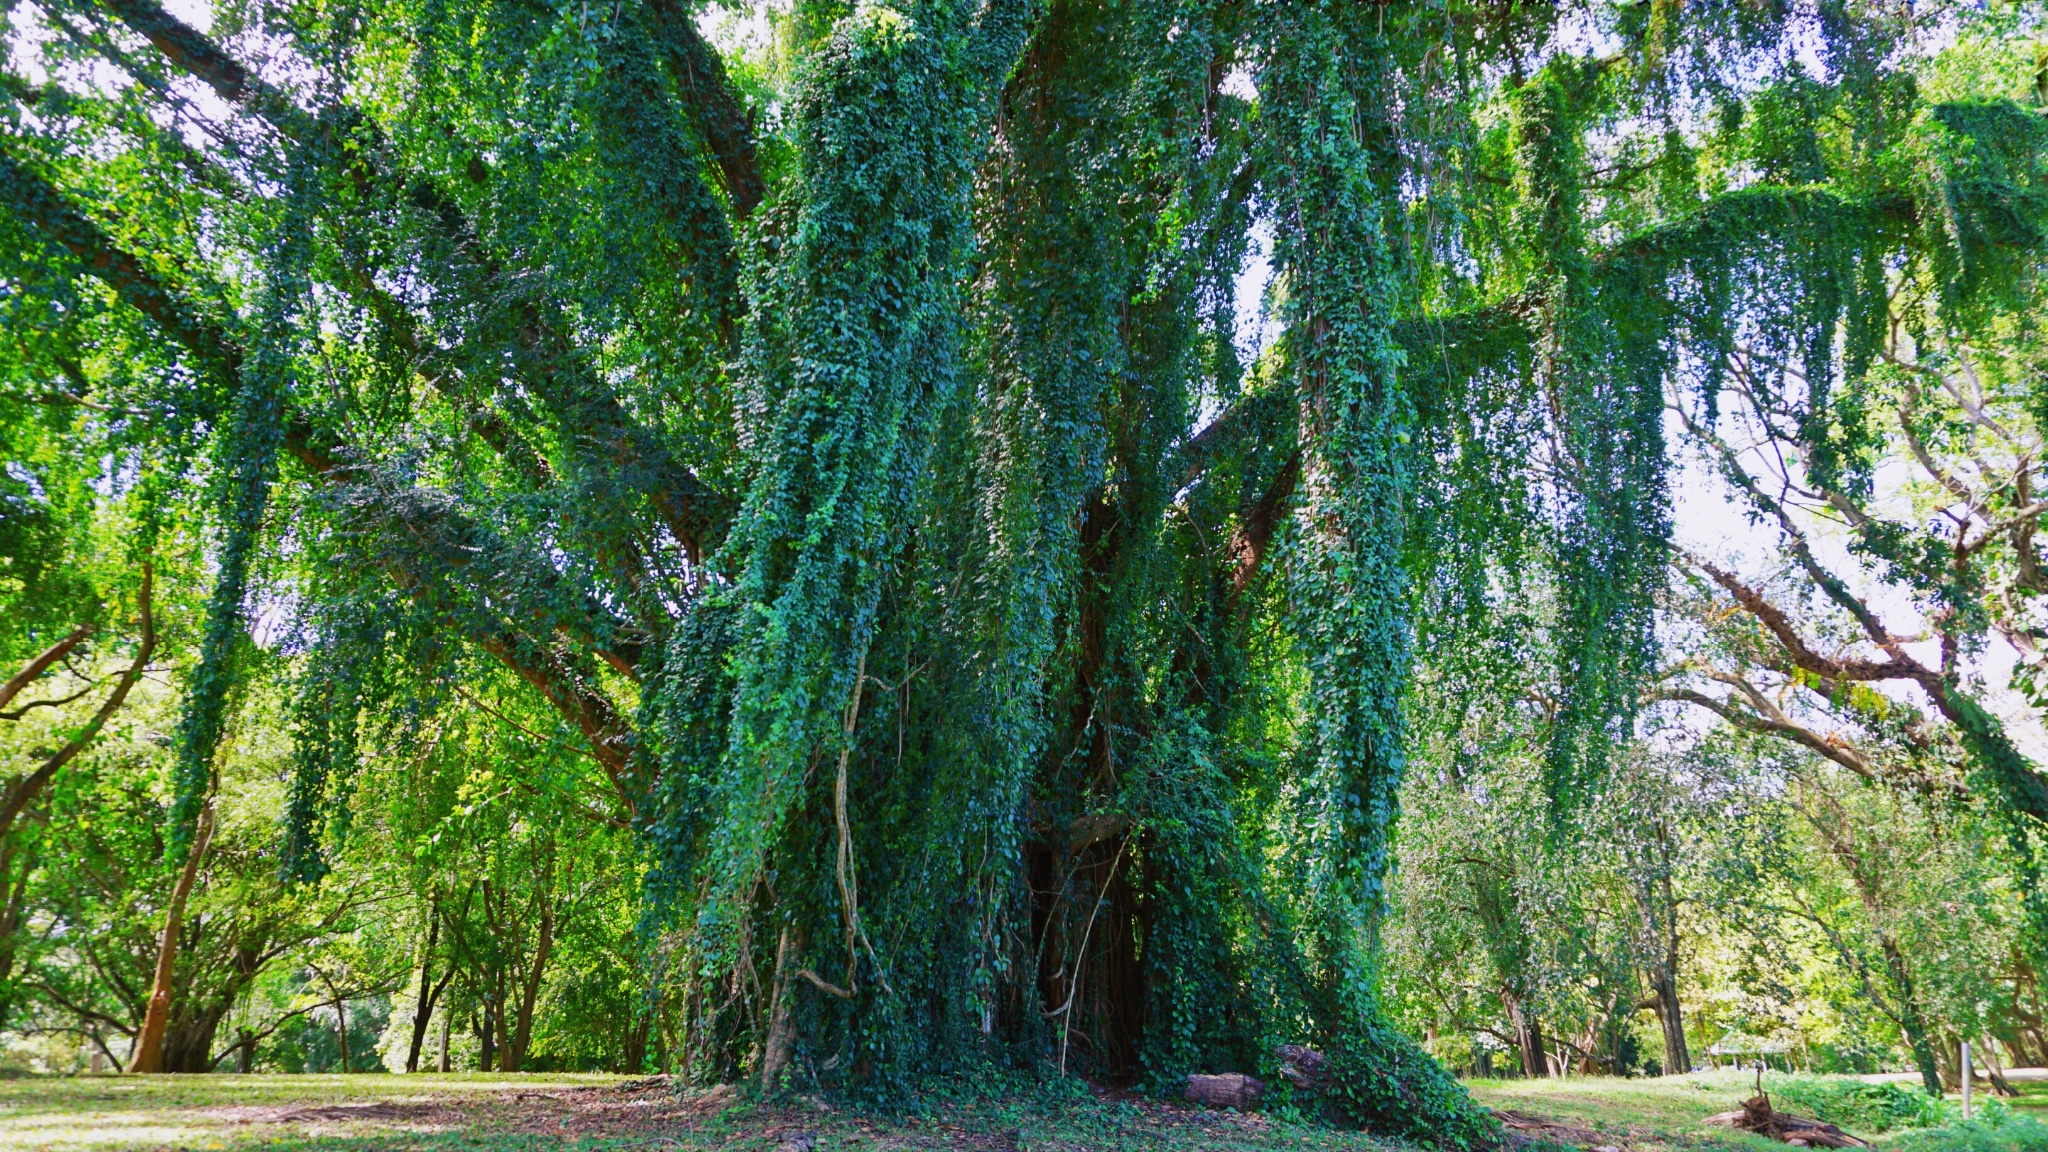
(425,1115)
(634,1108)
(656,1115)
(1527,1128)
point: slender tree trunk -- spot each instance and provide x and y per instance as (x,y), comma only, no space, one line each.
(775,1053)
(635,1059)
(16,883)
(488,1034)
(1911,1022)
(1614,1038)
(501,1021)
(522,1032)
(341,1029)
(423,1006)
(149,1045)
(1994,1070)
(1664,983)
(1658,905)
(497,1035)
(445,1064)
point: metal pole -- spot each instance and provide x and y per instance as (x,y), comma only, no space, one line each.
(1966,1079)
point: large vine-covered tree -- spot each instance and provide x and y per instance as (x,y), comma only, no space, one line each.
(863,442)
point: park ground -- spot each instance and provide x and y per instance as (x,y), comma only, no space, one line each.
(595,1113)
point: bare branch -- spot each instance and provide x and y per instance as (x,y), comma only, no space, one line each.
(1832,747)
(1834,586)
(41,664)
(1795,646)
(1941,475)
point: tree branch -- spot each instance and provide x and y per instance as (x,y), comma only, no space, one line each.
(424,522)
(692,511)
(1254,535)
(20,793)
(728,129)
(1779,624)
(1834,749)
(41,664)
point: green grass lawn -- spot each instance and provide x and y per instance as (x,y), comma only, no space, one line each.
(1676,1103)
(219,1111)
(1669,1112)
(571,1113)
(1660,1113)
(2033,1095)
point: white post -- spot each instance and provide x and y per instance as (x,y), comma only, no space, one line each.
(1966,1079)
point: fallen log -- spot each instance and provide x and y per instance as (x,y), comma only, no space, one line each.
(1756,1115)
(1230,1090)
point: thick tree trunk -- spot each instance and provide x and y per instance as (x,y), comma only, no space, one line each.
(1091,971)
(1677,1059)
(188,1042)
(1528,1039)
(149,1046)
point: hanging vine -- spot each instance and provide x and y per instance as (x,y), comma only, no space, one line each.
(245,466)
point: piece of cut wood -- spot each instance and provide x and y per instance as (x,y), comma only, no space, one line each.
(1229,1090)
(1756,1115)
